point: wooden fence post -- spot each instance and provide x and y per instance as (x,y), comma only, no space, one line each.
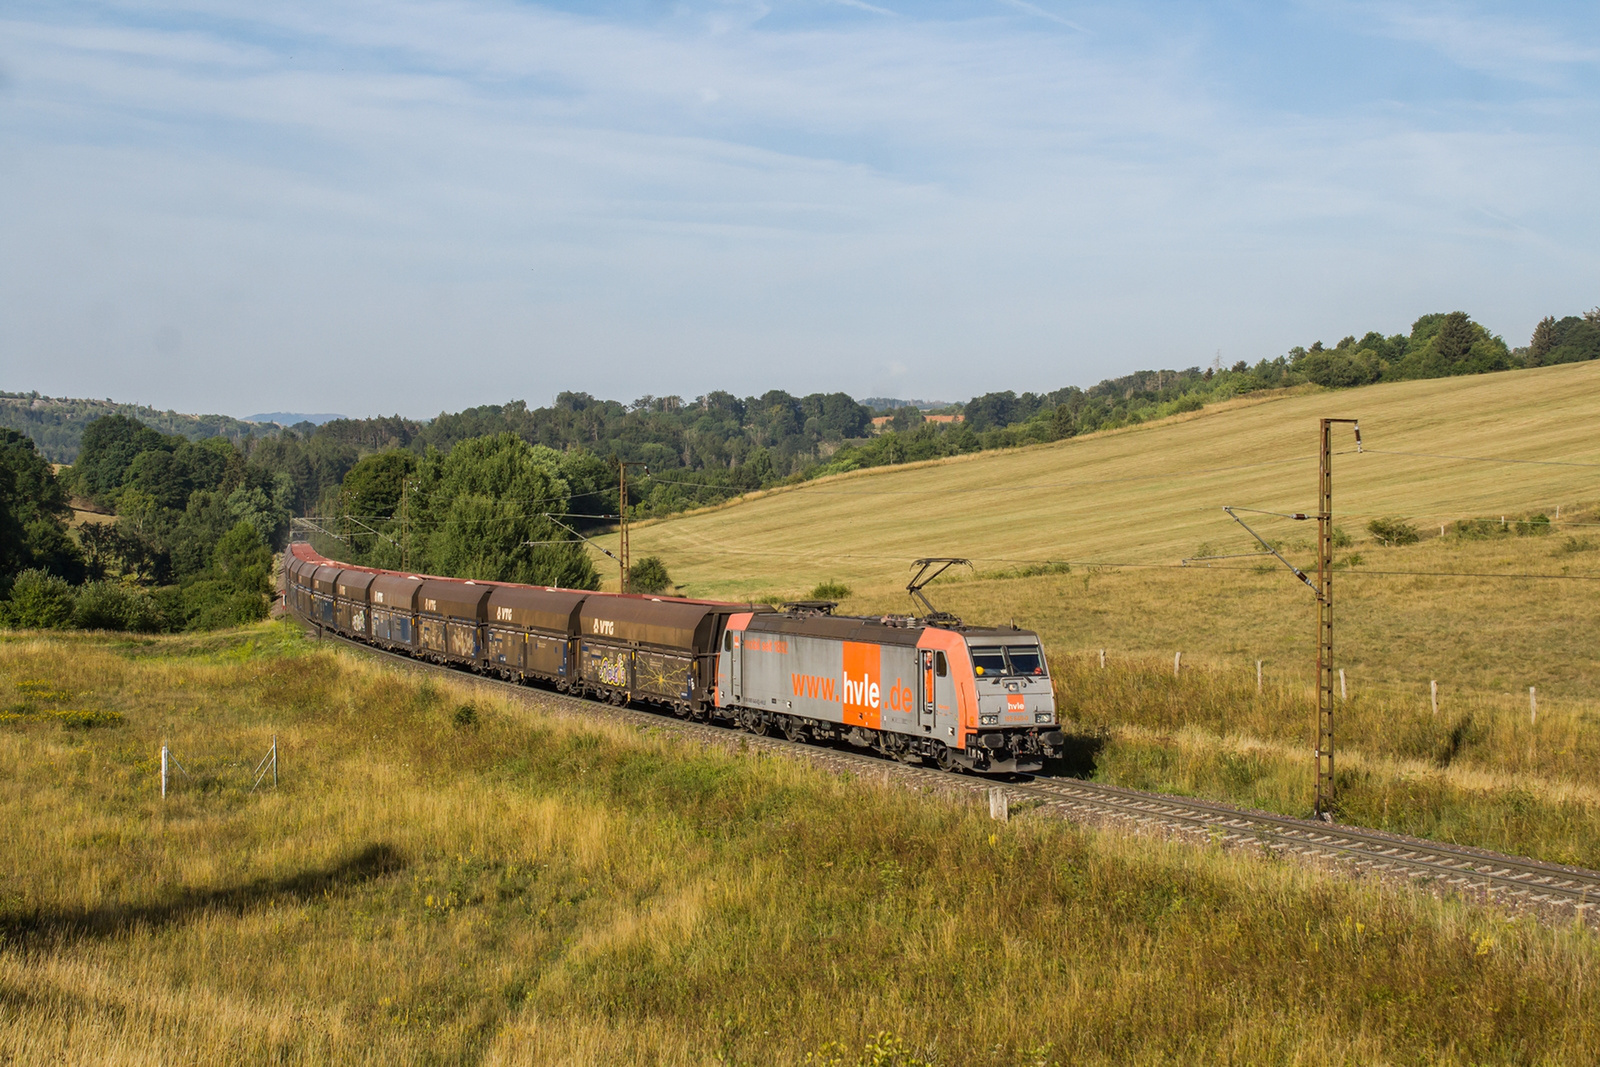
(1177,662)
(1102,659)
(1433,688)
(1533,705)
(1344,694)
(1258,676)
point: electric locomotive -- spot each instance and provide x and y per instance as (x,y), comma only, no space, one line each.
(925,690)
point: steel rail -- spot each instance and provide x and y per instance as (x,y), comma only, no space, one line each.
(1539,882)
(1519,881)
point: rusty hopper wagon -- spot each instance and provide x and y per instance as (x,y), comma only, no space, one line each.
(529,633)
(659,649)
(927,690)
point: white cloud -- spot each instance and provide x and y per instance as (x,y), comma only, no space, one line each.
(1518,48)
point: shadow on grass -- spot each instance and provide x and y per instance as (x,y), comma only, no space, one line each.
(373,862)
(1080,755)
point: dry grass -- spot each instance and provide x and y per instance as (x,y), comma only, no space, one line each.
(534,889)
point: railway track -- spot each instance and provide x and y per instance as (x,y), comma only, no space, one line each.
(1549,891)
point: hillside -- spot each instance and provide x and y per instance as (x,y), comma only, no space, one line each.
(1153,493)
(56,424)
(1126,508)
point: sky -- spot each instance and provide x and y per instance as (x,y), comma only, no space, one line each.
(402,207)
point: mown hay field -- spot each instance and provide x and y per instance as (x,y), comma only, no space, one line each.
(1153,494)
(443,876)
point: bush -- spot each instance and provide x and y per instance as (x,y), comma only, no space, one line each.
(39,601)
(649,575)
(110,605)
(217,604)
(1394,531)
(831,590)
(1533,526)
(1478,529)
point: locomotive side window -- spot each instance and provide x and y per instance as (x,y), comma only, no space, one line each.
(988,661)
(727,641)
(941,665)
(1025,659)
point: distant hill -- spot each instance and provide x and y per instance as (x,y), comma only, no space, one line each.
(889,403)
(55,424)
(292,418)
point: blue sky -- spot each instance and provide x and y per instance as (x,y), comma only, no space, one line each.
(412,207)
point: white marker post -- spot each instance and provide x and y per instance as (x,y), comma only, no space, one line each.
(1434,691)
(999,805)
(163,772)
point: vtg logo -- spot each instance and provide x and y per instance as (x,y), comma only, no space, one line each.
(605,626)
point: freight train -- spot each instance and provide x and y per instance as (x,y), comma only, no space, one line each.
(921,690)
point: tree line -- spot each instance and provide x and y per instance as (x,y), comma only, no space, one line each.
(190,547)
(504,491)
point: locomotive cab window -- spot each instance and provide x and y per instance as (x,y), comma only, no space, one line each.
(727,641)
(1025,659)
(941,666)
(988,662)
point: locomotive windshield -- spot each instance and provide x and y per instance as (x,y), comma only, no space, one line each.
(988,661)
(1025,659)
(1012,660)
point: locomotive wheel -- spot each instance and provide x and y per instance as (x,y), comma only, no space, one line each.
(795,730)
(944,759)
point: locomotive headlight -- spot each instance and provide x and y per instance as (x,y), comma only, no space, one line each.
(1041,716)
(988,720)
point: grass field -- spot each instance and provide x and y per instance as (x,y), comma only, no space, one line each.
(506,885)
(1153,494)
(1127,507)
